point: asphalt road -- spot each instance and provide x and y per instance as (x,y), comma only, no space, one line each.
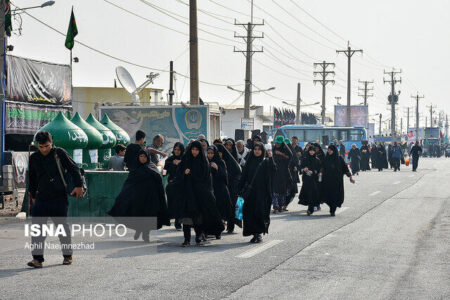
(390,240)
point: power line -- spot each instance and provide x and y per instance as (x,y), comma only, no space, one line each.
(114,57)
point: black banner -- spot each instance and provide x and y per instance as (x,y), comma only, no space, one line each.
(35,81)
(24,118)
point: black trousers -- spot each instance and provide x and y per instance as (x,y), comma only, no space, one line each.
(415,162)
(396,163)
(56,209)
(187,232)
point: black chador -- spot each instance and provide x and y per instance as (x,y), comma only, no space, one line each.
(220,184)
(142,195)
(365,157)
(355,158)
(333,170)
(196,205)
(172,164)
(310,168)
(256,189)
(234,172)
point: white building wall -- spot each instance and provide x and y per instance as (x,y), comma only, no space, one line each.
(231,120)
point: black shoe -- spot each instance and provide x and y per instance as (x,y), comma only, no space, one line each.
(253,240)
(146,237)
(137,234)
(35,264)
(258,239)
(186,244)
(230,231)
(218,237)
(332,214)
(308,213)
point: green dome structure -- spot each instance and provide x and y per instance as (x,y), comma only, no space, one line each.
(95,141)
(67,135)
(108,138)
(121,135)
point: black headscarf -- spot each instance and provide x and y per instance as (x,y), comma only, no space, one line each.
(233,148)
(216,157)
(233,167)
(198,165)
(182,149)
(253,161)
(334,156)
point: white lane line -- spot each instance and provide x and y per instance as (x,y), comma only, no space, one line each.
(341,210)
(410,176)
(254,251)
(397,182)
(375,193)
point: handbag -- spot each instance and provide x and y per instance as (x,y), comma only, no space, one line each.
(238,208)
(66,177)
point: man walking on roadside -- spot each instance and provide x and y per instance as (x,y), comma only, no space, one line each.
(131,153)
(415,152)
(342,149)
(47,194)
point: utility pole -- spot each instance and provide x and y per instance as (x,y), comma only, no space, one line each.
(365,89)
(3,43)
(324,81)
(431,115)
(417,97)
(193,53)
(379,128)
(407,120)
(298,116)
(446,126)
(349,53)
(249,38)
(393,98)
(401,126)
(171,92)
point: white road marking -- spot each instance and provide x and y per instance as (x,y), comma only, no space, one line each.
(341,210)
(410,176)
(257,250)
(397,182)
(375,193)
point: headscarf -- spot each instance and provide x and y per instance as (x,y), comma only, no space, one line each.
(333,156)
(182,149)
(149,164)
(198,165)
(233,166)
(233,148)
(216,157)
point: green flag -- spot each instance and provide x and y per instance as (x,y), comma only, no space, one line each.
(8,23)
(72,32)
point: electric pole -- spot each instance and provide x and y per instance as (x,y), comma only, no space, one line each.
(298,116)
(431,115)
(417,97)
(393,98)
(324,81)
(365,89)
(349,53)
(171,92)
(193,53)
(249,38)
(379,127)
(446,126)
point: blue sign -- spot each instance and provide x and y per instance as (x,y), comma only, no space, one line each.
(175,124)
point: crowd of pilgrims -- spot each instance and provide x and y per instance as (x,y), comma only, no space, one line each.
(205,181)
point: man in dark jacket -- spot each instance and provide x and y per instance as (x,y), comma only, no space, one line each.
(47,194)
(342,149)
(415,152)
(131,153)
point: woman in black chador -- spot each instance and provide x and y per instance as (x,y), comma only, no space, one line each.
(142,195)
(231,147)
(234,172)
(355,158)
(365,157)
(220,184)
(256,189)
(333,170)
(171,165)
(294,166)
(282,180)
(310,168)
(196,205)
(382,162)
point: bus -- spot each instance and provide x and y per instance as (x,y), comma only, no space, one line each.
(316,133)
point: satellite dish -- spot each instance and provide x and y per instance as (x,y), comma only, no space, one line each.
(129,85)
